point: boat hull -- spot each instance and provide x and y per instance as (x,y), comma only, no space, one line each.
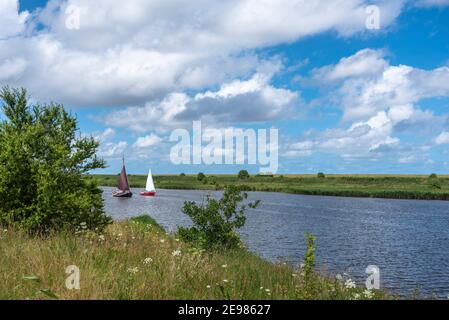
(148,193)
(122,194)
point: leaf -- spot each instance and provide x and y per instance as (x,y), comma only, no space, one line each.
(49,293)
(31,278)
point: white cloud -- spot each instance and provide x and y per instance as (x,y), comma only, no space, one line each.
(443,138)
(381,101)
(113,149)
(147,141)
(249,100)
(12,21)
(128,53)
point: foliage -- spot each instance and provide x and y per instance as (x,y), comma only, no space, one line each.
(321,175)
(43,166)
(129,261)
(309,257)
(215,223)
(201,176)
(243,174)
(182,174)
(433,176)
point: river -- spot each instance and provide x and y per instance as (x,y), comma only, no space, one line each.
(407,239)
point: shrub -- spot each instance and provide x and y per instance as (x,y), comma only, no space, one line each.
(42,162)
(201,176)
(243,174)
(321,175)
(183,174)
(215,223)
(433,176)
(309,257)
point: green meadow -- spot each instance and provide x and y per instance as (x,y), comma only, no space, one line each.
(376,186)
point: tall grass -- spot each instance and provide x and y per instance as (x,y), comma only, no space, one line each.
(136,259)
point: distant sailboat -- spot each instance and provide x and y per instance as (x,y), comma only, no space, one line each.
(150,190)
(123,190)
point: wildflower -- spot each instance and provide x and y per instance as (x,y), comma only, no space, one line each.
(267,290)
(101,237)
(261,288)
(356,296)
(294,275)
(225,280)
(134,238)
(162,240)
(208,286)
(368,294)
(349,284)
(176,253)
(133,270)
(339,277)
(302,265)
(147,261)
(224,266)
(177,240)
(5,230)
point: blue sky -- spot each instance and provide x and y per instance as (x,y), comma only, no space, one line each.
(345,99)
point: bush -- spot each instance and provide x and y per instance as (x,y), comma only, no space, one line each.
(433,176)
(183,174)
(309,257)
(321,175)
(243,174)
(201,176)
(215,224)
(42,162)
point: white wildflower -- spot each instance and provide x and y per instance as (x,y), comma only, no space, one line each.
(339,277)
(176,253)
(224,266)
(162,240)
(356,296)
(267,290)
(101,237)
(368,294)
(225,280)
(350,284)
(133,270)
(208,286)
(147,261)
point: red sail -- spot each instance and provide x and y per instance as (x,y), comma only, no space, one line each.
(123,184)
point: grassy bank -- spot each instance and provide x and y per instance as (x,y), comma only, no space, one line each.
(375,186)
(137,260)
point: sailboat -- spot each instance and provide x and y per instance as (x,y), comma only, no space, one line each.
(150,190)
(123,190)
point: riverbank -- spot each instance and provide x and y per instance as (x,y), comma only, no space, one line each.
(136,259)
(375,186)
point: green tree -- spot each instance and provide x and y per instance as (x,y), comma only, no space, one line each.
(321,175)
(42,163)
(201,176)
(433,176)
(243,174)
(215,223)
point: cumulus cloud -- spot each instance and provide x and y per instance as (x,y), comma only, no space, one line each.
(249,100)
(147,141)
(129,53)
(13,22)
(381,101)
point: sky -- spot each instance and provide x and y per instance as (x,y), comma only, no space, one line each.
(347,92)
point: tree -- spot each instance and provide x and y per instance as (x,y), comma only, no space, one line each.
(243,174)
(215,224)
(321,175)
(201,176)
(433,176)
(42,163)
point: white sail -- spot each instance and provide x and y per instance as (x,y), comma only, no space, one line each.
(150,184)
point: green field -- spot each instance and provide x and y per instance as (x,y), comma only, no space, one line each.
(375,186)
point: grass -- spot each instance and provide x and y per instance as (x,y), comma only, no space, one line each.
(136,259)
(375,186)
